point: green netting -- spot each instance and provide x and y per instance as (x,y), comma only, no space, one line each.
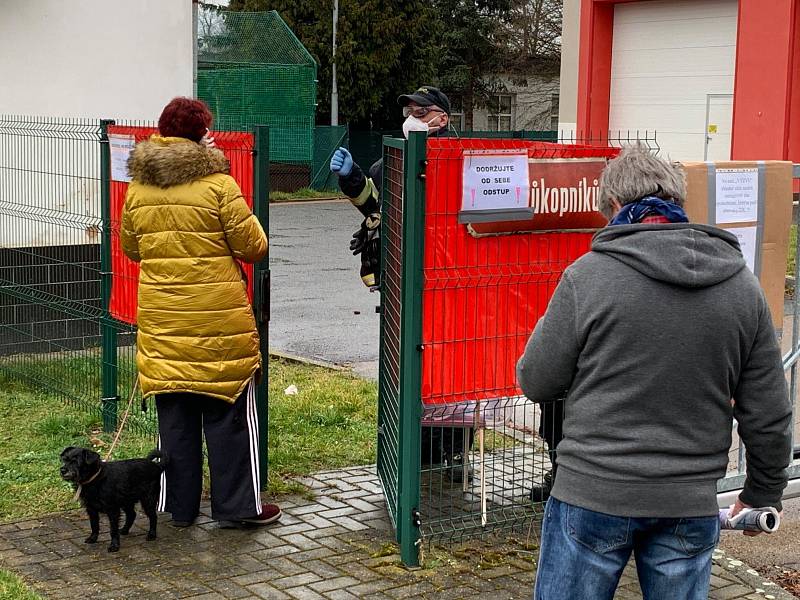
(253,70)
(327,138)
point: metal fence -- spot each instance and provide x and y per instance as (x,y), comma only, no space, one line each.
(458,447)
(67,293)
(55,274)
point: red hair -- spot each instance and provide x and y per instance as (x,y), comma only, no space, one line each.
(186,118)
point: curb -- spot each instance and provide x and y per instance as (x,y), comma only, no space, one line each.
(302,360)
(307,200)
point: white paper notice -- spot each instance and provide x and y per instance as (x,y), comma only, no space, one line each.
(495,181)
(737,196)
(747,241)
(121,146)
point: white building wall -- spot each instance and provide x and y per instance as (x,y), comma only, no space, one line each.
(95,58)
(570,49)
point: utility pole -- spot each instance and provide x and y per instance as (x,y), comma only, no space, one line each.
(194,47)
(334,90)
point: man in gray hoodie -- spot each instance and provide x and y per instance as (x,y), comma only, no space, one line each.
(649,337)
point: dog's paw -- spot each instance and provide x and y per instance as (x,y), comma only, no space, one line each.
(151,535)
(92,539)
(113,547)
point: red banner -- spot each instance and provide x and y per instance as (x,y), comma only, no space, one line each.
(482,296)
(563,196)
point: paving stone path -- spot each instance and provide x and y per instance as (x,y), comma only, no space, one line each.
(337,546)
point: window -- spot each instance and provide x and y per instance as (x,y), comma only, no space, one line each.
(457,113)
(500,113)
(554,112)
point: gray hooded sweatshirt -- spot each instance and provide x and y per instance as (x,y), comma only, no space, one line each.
(649,336)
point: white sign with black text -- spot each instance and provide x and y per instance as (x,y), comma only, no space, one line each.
(495,180)
(737,196)
(121,147)
(747,242)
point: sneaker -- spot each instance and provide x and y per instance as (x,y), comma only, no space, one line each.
(269,514)
(540,493)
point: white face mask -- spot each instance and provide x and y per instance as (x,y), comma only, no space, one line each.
(412,123)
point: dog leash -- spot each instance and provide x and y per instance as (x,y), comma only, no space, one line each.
(124,418)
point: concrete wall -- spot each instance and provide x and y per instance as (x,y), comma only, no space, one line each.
(95,58)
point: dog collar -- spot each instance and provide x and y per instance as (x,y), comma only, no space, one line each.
(87,482)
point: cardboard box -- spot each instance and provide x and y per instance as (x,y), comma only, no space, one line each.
(753,199)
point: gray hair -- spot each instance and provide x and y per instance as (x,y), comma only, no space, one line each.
(637,173)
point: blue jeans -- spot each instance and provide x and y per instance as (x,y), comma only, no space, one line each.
(584,552)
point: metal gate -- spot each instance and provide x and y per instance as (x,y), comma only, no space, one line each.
(401,306)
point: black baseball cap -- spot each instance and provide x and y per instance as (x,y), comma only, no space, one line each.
(426,96)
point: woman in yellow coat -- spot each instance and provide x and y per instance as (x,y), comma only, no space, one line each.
(186,223)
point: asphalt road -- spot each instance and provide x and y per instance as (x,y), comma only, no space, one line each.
(320,309)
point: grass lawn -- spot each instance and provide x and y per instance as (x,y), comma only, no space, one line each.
(12,588)
(303,194)
(792,250)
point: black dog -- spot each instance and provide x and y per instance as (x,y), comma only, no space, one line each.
(109,487)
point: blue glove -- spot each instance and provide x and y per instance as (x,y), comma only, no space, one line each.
(342,162)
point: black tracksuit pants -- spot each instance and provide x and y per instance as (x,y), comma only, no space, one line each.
(231,432)
(551,427)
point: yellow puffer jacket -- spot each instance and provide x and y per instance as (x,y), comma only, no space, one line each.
(185,221)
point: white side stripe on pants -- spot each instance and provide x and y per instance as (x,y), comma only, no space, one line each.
(162,494)
(252,421)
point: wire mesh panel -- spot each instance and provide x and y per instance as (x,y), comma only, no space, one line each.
(401,306)
(391,313)
(483,444)
(50,262)
(67,293)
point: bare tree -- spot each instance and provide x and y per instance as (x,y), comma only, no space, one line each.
(532,34)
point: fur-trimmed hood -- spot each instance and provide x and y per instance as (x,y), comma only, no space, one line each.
(169,161)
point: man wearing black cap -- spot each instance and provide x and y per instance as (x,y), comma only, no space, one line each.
(427,109)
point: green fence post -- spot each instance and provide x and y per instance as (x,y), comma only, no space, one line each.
(108,331)
(411,349)
(261,279)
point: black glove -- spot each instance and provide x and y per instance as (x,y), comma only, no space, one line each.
(371,259)
(370,229)
(367,242)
